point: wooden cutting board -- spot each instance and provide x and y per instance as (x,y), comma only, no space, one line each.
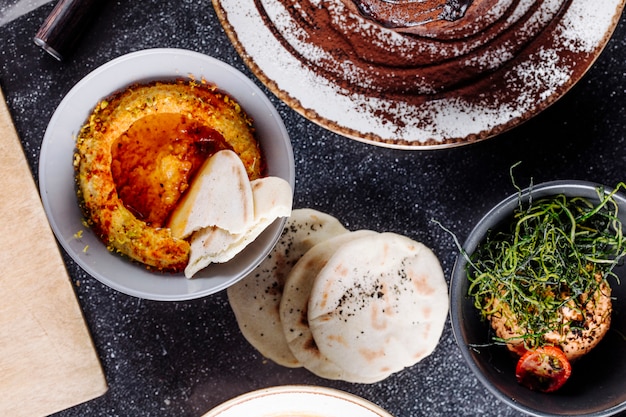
(47,359)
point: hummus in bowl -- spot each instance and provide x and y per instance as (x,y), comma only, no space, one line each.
(57,169)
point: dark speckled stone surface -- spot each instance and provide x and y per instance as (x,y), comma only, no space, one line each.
(183,358)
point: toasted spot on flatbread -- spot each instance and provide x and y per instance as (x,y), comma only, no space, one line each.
(367,304)
(255,300)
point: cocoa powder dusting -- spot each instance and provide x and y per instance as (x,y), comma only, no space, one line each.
(419,73)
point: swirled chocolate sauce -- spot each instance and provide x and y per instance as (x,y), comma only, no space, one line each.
(409,13)
(417,61)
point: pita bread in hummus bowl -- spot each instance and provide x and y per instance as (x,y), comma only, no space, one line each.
(159,162)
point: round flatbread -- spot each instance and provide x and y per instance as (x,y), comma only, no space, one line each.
(294,308)
(378,305)
(255,300)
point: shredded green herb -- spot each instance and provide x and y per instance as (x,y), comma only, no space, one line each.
(557,252)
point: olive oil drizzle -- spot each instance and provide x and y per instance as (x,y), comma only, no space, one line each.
(558,252)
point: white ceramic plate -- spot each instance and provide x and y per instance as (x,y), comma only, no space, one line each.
(298,401)
(446,84)
(56,173)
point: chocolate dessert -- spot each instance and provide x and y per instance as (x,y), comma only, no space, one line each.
(422,74)
(401,14)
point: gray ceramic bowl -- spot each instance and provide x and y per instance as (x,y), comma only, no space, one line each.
(597,386)
(56,172)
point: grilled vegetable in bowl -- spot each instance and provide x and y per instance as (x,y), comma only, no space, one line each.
(540,274)
(544,369)
(544,280)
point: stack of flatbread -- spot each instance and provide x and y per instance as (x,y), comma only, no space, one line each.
(349,305)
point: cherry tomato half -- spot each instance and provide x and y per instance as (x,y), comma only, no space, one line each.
(544,369)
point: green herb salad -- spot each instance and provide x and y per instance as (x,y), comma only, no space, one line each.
(546,274)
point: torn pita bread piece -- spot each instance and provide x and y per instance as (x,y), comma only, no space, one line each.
(378,305)
(272,198)
(255,300)
(220,195)
(294,310)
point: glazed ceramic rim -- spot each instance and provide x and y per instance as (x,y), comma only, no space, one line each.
(56,173)
(296,400)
